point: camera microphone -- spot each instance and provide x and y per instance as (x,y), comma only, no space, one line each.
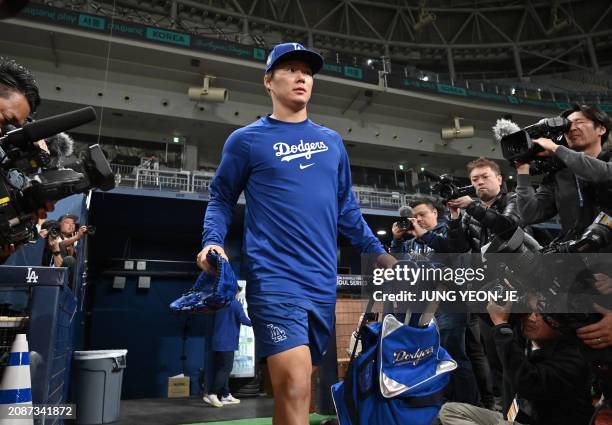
(503,128)
(406,212)
(61,145)
(404,222)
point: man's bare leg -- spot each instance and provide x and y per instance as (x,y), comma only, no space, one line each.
(290,373)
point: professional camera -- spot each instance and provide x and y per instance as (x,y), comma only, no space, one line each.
(53,227)
(27,181)
(446,187)
(91,230)
(517,145)
(513,254)
(598,235)
(404,222)
(564,282)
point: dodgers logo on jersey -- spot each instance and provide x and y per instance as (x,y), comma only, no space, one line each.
(303,149)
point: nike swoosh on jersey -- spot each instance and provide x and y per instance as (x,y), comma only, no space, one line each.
(302,167)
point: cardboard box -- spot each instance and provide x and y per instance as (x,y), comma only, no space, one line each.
(178,386)
(343,364)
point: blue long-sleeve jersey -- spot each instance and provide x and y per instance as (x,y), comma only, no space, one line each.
(227,327)
(297,183)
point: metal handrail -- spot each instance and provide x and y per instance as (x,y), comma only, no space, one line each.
(200,181)
(178,181)
(125,175)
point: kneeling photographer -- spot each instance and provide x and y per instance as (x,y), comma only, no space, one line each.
(62,239)
(545,383)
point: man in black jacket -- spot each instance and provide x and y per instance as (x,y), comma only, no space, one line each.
(550,385)
(494,213)
(576,193)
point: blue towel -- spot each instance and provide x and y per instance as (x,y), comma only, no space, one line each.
(211,291)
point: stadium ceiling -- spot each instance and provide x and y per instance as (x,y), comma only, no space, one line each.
(457,38)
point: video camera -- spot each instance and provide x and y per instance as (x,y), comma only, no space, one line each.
(564,282)
(446,187)
(517,145)
(28,181)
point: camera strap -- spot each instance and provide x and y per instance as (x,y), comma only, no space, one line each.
(579,190)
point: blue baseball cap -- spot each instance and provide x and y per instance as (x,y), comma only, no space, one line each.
(294,51)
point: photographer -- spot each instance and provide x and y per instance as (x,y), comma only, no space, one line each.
(69,236)
(426,233)
(494,213)
(62,239)
(550,385)
(576,192)
(19,99)
(579,190)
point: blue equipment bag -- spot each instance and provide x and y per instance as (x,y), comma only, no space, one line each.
(398,379)
(212,291)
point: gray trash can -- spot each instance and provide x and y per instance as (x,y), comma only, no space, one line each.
(97,383)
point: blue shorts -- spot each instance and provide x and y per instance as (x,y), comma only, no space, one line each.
(281,326)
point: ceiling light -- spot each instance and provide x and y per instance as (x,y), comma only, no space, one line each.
(207,93)
(456,132)
(381,232)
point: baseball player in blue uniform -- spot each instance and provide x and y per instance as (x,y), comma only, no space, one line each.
(296,178)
